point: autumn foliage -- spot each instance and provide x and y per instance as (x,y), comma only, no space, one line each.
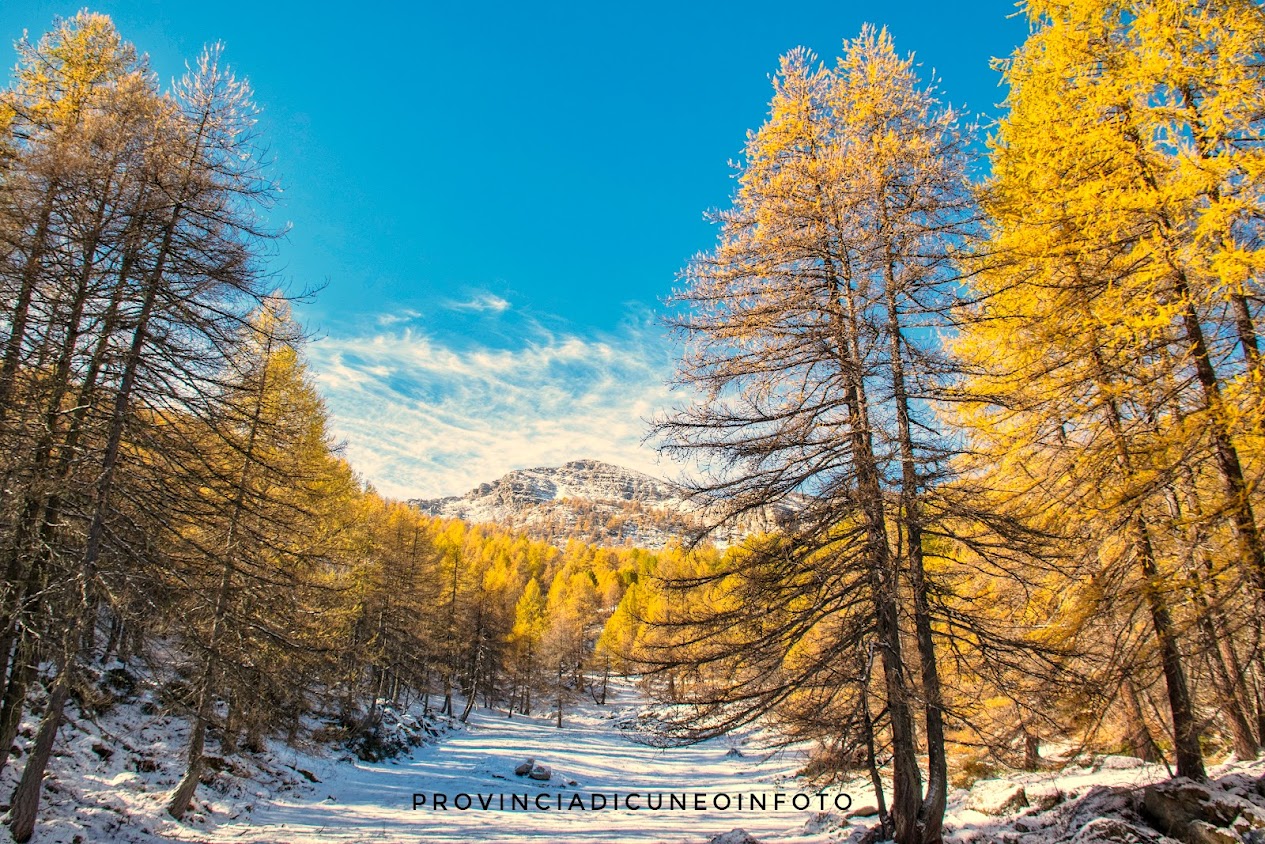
(999,398)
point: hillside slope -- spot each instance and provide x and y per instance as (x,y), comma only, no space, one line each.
(588,500)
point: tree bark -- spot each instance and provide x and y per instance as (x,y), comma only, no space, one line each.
(24,806)
(931,811)
(1141,742)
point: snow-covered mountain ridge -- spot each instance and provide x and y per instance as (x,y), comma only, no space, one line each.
(588,500)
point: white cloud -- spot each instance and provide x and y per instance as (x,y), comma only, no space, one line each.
(405,315)
(481,303)
(424,419)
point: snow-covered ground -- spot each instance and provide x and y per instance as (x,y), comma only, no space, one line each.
(110,778)
(596,752)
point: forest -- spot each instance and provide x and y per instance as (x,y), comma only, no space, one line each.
(1002,385)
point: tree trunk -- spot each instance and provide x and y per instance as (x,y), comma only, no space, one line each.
(1031,751)
(871,756)
(560,672)
(883,581)
(931,812)
(183,795)
(1229,676)
(21,673)
(25,803)
(179,802)
(20,313)
(1185,725)
(1140,740)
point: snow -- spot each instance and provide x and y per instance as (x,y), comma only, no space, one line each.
(111,775)
(590,756)
(269,798)
(1066,799)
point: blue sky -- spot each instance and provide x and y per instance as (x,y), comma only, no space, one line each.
(496,196)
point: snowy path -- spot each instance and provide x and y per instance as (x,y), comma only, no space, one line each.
(374,802)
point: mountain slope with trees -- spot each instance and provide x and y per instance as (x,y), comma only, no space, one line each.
(1010,429)
(600,504)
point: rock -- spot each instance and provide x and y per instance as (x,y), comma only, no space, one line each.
(102,751)
(1116,831)
(1202,832)
(819,822)
(733,752)
(1103,802)
(1250,825)
(1174,804)
(873,835)
(143,765)
(996,797)
(525,768)
(1196,812)
(1044,798)
(735,836)
(540,772)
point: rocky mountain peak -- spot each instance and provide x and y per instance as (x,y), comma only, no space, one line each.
(584,499)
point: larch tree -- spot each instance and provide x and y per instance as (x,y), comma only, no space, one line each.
(158,201)
(1116,314)
(528,632)
(254,546)
(811,336)
(81,112)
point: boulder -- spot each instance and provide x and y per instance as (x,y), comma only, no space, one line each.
(873,835)
(1202,832)
(1045,797)
(735,836)
(996,797)
(823,822)
(1198,813)
(540,772)
(1103,801)
(525,768)
(1116,831)
(1250,825)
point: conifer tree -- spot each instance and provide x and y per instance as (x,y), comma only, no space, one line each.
(152,203)
(529,629)
(1117,316)
(259,526)
(810,337)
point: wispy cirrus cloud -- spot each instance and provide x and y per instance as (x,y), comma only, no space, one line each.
(482,302)
(424,417)
(405,316)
